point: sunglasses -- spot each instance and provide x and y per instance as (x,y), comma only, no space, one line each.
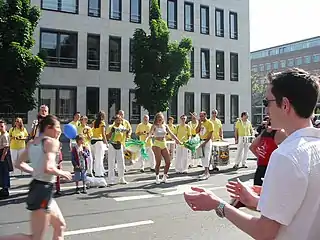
(267,101)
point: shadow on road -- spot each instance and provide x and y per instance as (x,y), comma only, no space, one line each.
(243,178)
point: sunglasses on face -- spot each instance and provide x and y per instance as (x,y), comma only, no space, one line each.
(267,101)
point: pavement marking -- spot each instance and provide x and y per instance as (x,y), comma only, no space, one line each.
(27,190)
(107,228)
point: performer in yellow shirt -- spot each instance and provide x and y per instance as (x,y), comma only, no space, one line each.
(126,124)
(171,146)
(205,129)
(86,132)
(183,133)
(18,136)
(243,130)
(217,131)
(142,132)
(116,135)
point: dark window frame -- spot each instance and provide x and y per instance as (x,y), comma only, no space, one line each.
(110,118)
(99,13)
(169,113)
(233,120)
(207,32)
(201,102)
(59,6)
(120,13)
(192,105)
(130,55)
(234,76)
(175,14)
(99,52)
(92,115)
(57,88)
(205,50)
(220,75)
(59,32)
(109,63)
(192,17)
(236,33)
(139,17)
(219,32)
(221,116)
(133,121)
(192,62)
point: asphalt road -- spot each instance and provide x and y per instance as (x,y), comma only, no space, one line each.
(140,210)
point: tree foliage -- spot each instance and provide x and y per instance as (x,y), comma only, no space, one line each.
(20,69)
(160,67)
(259,87)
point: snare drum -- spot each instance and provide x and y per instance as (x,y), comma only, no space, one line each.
(220,154)
(248,139)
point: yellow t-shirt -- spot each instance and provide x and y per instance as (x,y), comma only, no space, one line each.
(126,124)
(86,131)
(172,129)
(97,132)
(217,125)
(205,129)
(244,128)
(145,129)
(193,127)
(119,135)
(22,134)
(183,132)
(75,123)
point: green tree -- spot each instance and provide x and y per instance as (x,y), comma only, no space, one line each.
(20,69)
(259,87)
(160,67)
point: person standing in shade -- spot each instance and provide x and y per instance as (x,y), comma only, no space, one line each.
(243,130)
(218,131)
(183,133)
(205,129)
(142,131)
(43,112)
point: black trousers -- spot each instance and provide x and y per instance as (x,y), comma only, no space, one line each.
(260,172)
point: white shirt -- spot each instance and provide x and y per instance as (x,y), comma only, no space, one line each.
(291,187)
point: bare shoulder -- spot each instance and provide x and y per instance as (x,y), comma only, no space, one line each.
(51,144)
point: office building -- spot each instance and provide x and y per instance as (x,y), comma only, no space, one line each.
(89,64)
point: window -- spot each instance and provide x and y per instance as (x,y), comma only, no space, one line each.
(188,17)
(261,67)
(114,102)
(130,55)
(62,101)
(283,63)
(205,102)
(135,11)
(219,23)
(204,19)
(307,59)
(93,101)
(268,66)
(191,58)
(316,58)
(134,108)
(299,61)
(234,67)
(290,62)
(254,68)
(67,6)
(220,65)
(233,25)
(115,9)
(188,102)
(234,108)
(61,48)
(220,106)
(172,14)
(115,54)
(94,8)
(93,52)
(205,63)
(275,65)
(173,107)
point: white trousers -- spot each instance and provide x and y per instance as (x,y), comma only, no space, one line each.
(182,157)
(90,162)
(207,150)
(151,158)
(115,156)
(15,153)
(242,151)
(98,149)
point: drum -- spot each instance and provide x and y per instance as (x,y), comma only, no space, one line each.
(220,154)
(248,139)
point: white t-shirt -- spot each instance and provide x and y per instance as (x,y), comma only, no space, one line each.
(291,187)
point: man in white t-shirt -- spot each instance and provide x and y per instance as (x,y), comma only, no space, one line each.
(290,196)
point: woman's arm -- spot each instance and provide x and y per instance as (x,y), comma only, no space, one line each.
(172,135)
(150,134)
(104,137)
(254,146)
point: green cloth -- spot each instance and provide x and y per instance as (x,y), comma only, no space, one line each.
(135,145)
(192,144)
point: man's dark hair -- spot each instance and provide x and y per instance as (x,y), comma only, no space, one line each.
(76,113)
(244,114)
(299,87)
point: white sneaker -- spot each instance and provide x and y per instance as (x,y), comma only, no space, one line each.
(205,176)
(165,178)
(158,179)
(122,181)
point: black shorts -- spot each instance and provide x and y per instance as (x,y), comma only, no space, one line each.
(40,195)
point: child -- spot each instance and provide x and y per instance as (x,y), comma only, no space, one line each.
(80,164)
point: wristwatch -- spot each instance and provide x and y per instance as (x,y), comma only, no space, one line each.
(220,210)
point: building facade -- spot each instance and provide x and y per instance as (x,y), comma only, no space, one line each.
(303,54)
(87,44)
